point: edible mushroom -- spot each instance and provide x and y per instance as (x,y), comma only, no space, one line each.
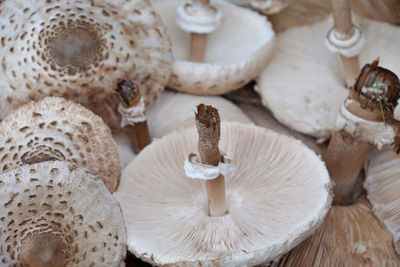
(57,129)
(54,214)
(277,193)
(81,50)
(236,51)
(304,85)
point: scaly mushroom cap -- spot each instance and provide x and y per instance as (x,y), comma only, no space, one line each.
(57,129)
(54,214)
(81,50)
(349,236)
(167,216)
(173,111)
(236,52)
(383,190)
(303,85)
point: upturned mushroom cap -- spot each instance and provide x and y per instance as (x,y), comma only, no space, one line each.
(57,129)
(167,216)
(303,85)
(349,236)
(54,214)
(236,52)
(173,111)
(383,190)
(81,50)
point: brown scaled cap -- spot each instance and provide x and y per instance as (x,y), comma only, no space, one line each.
(57,129)
(80,50)
(53,214)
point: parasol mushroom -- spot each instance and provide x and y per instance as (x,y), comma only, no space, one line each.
(364,120)
(173,111)
(349,236)
(383,189)
(81,50)
(54,214)
(167,216)
(57,129)
(304,85)
(227,65)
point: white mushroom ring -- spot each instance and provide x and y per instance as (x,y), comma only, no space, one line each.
(348,47)
(196,170)
(132,115)
(198,18)
(378,133)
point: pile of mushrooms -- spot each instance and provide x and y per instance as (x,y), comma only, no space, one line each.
(218,47)
(85,52)
(277,193)
(60,165)
(304,85)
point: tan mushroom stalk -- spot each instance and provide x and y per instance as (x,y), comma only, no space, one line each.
(173,111)
(304,84)
(238,46)
(346,39)
(81,50)
(349,236)
(132,109)
(57,129)
(363,122)
(257,217)
(54,214)
(382,183)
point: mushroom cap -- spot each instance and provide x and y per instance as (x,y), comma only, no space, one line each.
(57,199)
(275,199)
(304,86)
(173,111)
(57,129)
(349,236)
(81,50)
(383,190)
(236,52)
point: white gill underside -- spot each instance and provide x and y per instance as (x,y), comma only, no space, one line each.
(303,85)
(276,196)
(173,111)
(383,189)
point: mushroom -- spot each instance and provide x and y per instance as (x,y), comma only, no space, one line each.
(57,129)
(173,111)
(364,120)
(269,7)
(304,85)
(236,51)
(383,186)
(349,236)
(54,214)
(169,221)
(81,50)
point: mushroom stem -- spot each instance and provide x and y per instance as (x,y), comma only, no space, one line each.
(208,126)
(139,135)
(344,159)
(44,250)
(344,27)
(198,42)
(130,97)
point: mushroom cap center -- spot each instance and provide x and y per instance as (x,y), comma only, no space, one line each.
(44,249)
(78,46)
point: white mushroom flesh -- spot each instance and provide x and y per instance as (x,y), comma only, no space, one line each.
(303,85)
(173,111)
(236,52)
(277,195)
